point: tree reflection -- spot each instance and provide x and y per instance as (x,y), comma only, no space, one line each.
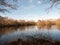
(48,27)
(58,27)
(7,30)
(21,28)
(44,27)
(39,27)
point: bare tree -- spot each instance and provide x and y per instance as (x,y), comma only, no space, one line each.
(54,3)
(5,4)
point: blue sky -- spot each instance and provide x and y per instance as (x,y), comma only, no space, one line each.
(33,10)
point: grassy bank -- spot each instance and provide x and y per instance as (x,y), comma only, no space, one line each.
(33,42)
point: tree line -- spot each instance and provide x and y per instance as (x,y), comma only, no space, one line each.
(4,21)
(10,22)
(49,23)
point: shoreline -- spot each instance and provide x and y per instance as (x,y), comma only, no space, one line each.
(33,42)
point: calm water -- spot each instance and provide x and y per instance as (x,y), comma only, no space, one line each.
(25,33)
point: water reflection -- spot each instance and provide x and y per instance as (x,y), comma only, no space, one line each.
(58,27)
(6,30)
(44,27)
(48,27)
(22,28)
(25,33)
(39,27)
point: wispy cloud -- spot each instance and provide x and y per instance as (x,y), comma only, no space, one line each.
(39,2)
(30,7)
(30,0)
(34,9)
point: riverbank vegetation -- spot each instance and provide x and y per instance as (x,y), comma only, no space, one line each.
(33,41)
(6,22)
(10,22)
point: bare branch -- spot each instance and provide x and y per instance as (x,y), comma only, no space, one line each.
(6,4)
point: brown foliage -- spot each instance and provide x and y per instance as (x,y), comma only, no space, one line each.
(58,22)
(11,22)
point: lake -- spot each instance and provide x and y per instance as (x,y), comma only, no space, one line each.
(8,34)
